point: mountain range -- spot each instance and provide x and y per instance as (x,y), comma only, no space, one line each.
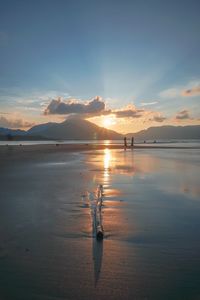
(72,128)
(80,129)
(168,132)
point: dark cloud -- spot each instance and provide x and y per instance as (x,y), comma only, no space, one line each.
(183,115)
(14,123)
(128,113)
(158,119)
(195,91)
(95,106)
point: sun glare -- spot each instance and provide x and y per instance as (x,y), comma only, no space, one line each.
(108,121)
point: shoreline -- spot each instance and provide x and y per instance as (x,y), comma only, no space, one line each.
(25,153)
(84,147)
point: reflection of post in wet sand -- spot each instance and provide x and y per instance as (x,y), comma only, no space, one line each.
(97,213)
(97,250)
(98,242)
(95,203)
(97,226)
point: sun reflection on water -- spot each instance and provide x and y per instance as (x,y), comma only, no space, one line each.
(107,143)
(107,162)
(107,157)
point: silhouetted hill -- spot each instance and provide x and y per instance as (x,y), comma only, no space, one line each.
(73,128)
(38,128)
(21,138)
(13,132)
(168,132)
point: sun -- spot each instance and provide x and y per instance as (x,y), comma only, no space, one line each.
(108,121)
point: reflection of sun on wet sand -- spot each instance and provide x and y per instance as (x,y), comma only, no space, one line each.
(107,157)
(111,207)
(120,221)
(150,219)
(95,201)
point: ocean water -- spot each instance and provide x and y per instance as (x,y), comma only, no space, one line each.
(171,142)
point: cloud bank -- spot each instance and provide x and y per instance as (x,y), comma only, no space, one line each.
(95,106)
(91,108)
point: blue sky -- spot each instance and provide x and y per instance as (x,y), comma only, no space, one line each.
(127,52)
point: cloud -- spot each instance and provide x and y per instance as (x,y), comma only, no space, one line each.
(183,115)
(129,111)
(194,91)
(158,118)
(148,103)
(170,93)
(191,89)
(95,106)
(15,123)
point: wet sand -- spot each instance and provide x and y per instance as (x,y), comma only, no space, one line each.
(59,147)
(150,217)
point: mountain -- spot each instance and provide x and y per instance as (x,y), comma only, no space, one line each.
(21,138)
(73,128)
(168,132)
(39,128)
(13,132)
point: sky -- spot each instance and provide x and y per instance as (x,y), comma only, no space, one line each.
(127,65)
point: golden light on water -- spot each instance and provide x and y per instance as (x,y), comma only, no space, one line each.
(110,162)
(106,143)
(107,160)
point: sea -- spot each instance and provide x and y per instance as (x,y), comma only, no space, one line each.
(162,142)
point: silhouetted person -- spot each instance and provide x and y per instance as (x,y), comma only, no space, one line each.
(125,142)
(132,141)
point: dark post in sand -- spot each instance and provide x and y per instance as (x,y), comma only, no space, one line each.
(132,141)
(125,143)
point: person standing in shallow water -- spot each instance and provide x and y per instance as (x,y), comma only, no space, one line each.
(132,141)
(125,142)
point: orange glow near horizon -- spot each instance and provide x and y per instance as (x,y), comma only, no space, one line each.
(108,121)
(106,143)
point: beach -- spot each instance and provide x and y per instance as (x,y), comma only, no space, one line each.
(150,217)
